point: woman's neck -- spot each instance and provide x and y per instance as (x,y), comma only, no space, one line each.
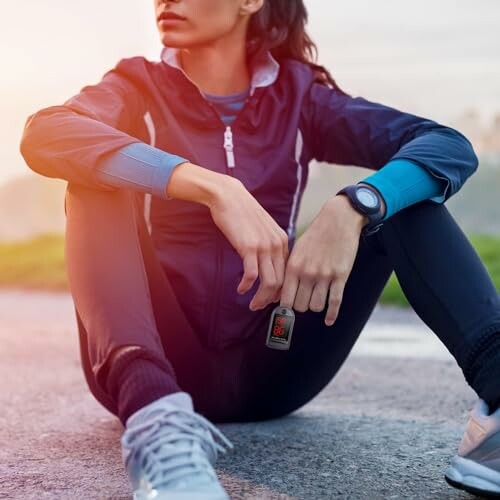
(217,69)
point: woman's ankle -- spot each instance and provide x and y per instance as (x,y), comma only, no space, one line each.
(136,378)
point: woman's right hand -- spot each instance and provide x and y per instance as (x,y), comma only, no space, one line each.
(255,235)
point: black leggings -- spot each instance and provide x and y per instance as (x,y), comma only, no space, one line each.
(123,296)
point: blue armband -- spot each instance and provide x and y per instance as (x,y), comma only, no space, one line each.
(139,166)
(403,183)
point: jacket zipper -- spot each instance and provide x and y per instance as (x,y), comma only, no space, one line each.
(228,134)
(229,147)
(230,161)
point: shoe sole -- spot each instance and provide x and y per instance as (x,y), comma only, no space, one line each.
(475,478)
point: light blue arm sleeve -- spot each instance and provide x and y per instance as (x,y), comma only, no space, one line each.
(139,166)
(403,183)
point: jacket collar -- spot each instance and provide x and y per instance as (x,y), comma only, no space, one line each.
(264,68)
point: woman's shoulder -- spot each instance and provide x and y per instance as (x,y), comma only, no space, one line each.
(313,81)
(298,70)
(135,67)
(301,75)
(136,73)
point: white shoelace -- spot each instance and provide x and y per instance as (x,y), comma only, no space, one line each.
(181,452)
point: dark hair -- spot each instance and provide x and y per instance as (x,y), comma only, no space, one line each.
(280,27)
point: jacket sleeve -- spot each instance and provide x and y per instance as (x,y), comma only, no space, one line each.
(350,130)
(67,141)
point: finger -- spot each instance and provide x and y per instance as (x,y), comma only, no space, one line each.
(267,282)
(285,247)
(251,272)
(289,288)
(319,296)
(277,295)
(279,264)
(303,296)
(334,301)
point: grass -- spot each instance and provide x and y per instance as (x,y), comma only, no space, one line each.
(39,264)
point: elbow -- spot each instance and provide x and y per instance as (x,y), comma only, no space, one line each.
(473,159)
(25,146)
(29,144)
(465,153)
(460,151)
(466,160)
(469,156)
(34,140)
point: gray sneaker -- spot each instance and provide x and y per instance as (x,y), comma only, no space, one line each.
(476,466)
(169,452)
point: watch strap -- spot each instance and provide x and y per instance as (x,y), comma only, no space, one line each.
(375,220)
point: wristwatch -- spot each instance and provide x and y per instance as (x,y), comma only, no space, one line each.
(367,201)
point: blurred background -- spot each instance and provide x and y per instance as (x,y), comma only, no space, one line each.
(438,60)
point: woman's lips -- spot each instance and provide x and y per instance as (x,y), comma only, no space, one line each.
(171,20)
(170,15)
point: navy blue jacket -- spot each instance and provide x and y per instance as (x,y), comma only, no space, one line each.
(287,121)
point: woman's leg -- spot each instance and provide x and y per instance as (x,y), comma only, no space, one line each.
(121,294)
(450,289)
(444,281)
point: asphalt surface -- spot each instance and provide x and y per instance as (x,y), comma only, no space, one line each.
(385,427)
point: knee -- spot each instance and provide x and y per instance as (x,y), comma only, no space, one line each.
(79,199)
(75,192)
(423,210)
(416,222)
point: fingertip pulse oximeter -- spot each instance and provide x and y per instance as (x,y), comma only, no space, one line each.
(279,334)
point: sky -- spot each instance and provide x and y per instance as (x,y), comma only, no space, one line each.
(434,59)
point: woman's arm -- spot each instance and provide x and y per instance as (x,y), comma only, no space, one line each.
(69,140)
(354,131)
(94,139)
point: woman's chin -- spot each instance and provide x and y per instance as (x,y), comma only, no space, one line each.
(175,40)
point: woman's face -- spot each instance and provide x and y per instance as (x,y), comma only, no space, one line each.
(203,21)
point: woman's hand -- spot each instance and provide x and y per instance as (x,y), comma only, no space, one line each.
(255,235)
(322,259)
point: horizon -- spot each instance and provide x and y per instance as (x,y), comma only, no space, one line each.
(438,61)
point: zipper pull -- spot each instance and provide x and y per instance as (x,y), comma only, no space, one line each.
(228,146)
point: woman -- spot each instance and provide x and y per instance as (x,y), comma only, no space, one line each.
(184,183)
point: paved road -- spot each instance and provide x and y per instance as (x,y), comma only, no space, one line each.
(385,427)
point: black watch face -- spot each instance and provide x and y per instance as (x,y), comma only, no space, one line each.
(367,198)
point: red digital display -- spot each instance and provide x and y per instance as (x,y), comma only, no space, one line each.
(281,327)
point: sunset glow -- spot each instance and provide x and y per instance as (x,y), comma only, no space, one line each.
(50,50)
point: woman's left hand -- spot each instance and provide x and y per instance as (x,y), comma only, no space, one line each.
(322,259)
